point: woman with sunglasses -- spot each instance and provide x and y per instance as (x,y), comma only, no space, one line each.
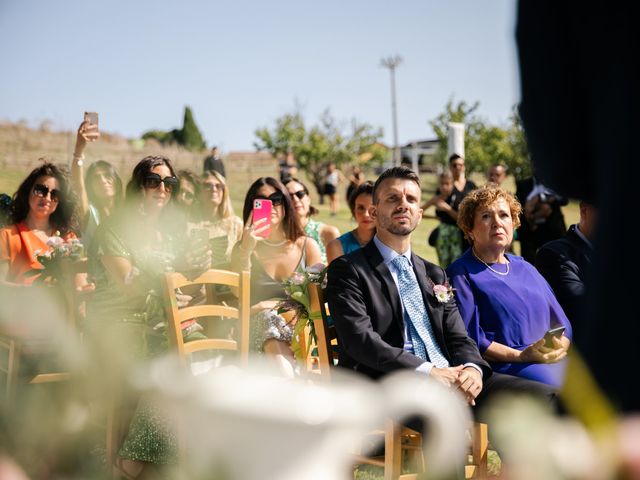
(320,232)
(100,191)
(359,203)
(125,316)
(272,259)
(43,207)
(214,213)
(188,191)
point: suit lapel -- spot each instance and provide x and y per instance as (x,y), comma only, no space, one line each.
(377,263)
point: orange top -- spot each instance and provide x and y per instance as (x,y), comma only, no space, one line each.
(18,246)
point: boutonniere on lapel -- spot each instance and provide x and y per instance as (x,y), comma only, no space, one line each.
(444,292)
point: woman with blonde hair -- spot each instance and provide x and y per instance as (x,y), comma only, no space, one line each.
(506,305)
(214,213)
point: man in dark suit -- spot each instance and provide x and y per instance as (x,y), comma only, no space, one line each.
(214,162)
(374,306)
(566,263)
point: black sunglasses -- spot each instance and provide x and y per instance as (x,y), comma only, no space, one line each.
(42,191)
(153,180)
(276,198)
(300,194)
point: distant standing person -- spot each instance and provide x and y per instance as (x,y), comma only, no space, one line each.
(449,240)
(356,178)
(460,182)
(497,173)
(214,162)
(332,180)
(288,167)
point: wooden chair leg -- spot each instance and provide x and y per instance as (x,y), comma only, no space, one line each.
(392,450)
(480,448)
(13,366)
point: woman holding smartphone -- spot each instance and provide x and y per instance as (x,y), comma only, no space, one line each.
(131,252)
(273,248)
(100,189)
(506,305)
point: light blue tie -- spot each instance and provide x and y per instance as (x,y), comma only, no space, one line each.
(422,336)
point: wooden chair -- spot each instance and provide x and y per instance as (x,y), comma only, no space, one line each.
(18,347)
(175,315)
(398,439)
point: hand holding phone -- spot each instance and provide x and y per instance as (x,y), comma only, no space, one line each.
(262,212)
(553,332)
(91,117)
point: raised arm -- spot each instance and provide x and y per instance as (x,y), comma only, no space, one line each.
(86,133)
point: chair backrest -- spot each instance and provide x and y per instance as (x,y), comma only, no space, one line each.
(327,341)
(175,316)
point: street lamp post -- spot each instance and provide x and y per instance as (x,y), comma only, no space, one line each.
(391,63)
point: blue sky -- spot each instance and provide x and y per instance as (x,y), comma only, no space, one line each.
(240,64)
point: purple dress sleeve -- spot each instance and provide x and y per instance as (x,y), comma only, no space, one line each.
(469,311)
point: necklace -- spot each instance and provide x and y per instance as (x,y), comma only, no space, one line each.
(274,244)
(489,266)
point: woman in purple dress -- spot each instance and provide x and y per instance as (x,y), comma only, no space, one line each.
(507,306)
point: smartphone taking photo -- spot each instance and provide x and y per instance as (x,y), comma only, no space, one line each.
(553,332)
(91,117)
(262,209)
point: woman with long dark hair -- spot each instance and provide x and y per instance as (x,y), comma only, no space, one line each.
(130,253)
(322,233)
(99,190)
(43,207)
(272,259)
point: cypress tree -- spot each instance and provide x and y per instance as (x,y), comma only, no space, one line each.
(190,136)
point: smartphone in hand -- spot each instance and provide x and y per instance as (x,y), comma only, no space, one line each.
(262,209)
(91,117)
(553,332)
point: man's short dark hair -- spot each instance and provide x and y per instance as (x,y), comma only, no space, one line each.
(454,157)
(403,173)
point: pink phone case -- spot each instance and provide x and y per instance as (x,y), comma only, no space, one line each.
(262,209)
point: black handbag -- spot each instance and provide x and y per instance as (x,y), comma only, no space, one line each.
(433,236)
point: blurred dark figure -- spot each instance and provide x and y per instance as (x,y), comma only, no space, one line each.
(288,167)
(541,218)
(566,264)
(214,162)
(580,104)
(5,209)
(497,173)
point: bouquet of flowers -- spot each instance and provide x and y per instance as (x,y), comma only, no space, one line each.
(297,290)
(60,251)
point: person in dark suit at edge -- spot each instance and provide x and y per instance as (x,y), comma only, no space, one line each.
(566,264)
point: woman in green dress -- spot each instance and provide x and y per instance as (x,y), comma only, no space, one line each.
(320,232)
(125,318)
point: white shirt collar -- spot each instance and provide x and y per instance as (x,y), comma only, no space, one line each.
(389,254)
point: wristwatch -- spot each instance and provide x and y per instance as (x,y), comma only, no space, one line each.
(79,160)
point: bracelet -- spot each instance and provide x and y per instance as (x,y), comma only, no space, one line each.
(79,160)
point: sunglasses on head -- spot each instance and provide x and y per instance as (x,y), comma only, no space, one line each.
(153,180)
(42,191)
(276,198)
(300,194)
(213,187)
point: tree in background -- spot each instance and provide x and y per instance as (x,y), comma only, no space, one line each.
(327,141)
(484,144)
(188,136)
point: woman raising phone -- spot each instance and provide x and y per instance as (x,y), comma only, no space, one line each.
(273,249)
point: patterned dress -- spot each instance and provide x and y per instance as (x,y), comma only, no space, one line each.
(313,230)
